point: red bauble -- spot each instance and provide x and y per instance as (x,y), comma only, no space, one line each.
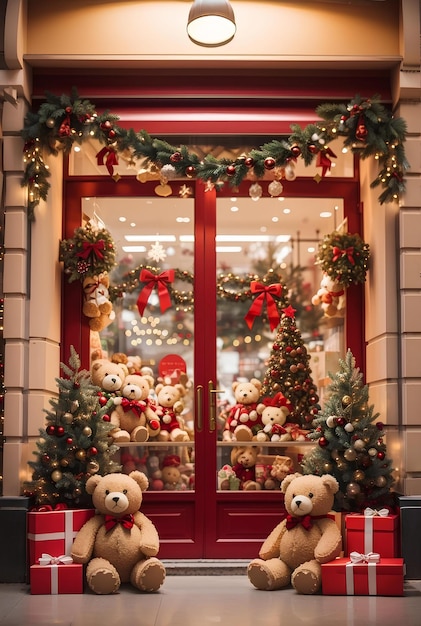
(68,110)
(230,170)
(313,149)
(51,430)
(102,400)
(295,151)
(76,385)
(112,134)
(276,346)
(106,418)
(176,157)
(269,163)
(288,349)
(190,171)
(381,455)
(106,125)
(341,421)
(249,162)
(361,132)
(60,431)
(323,442)
(69,441)
(92,451)
(380,425)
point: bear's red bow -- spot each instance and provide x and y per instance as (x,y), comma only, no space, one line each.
(110,521)
(305,521)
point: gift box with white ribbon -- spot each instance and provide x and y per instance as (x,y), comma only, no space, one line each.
(363,575)
(56,575)
(377,530)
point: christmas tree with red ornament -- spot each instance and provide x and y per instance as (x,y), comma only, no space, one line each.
(289,372)
(74,444)
(351,443)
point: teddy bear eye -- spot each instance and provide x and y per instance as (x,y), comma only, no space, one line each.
(107,492)
(310,495)
(124,491)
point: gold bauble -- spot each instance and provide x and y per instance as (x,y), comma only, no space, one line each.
(54,464)
(352,490)
(80,454)
(67,418)
(358,475)
(327,467)
(87,431)
(350,454)
(64,462)
(56,476)
(346,400)
(381,481)
(359,444)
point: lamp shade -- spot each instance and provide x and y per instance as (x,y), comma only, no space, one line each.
(211,23)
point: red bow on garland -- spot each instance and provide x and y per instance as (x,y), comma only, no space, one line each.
(126,521)
(348,252)
(110,161)
(133,405)
(93,249)
(305,521)
(265,294)
(155,280)
(323,159)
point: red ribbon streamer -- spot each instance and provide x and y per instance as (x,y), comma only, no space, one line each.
(265,294)
(348,252)
(110,161)
(89,248)
(324,161)
(126,521)
(160,281)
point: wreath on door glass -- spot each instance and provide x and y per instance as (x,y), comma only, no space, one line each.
(368,129)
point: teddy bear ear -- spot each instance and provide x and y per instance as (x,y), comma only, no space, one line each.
(148,379)
(330,482)
(92,483)
(256,382)
(140,478)
(288,480)
(159,387)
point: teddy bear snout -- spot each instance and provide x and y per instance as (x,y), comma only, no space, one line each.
(116,502)
(301,505)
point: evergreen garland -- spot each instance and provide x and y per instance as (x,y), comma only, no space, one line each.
(344,258)
(89,252)
(368,128)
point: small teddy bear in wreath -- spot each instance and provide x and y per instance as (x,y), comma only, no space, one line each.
(97,305)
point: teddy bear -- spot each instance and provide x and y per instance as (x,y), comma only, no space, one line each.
(169,408)
(243,420)
(96,302)
(243,461)
(295,549)
(109,377)
(331,296)
(273,417)
(134,415)
(170,473)
(119,543)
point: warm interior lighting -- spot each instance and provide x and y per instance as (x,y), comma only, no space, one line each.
(211,22)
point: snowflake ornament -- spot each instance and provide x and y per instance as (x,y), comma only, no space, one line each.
(157,252)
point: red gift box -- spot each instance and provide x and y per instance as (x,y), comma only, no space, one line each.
(373,533)
(56,575)
(53,532)
(344,577)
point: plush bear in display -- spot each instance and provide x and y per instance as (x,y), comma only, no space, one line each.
(134,415)
(108,376)
(97,305)
(243,420)
(243,461)
(170,473)
(331,297)
(295,549)
(169,408)
(119,544)
(274,415)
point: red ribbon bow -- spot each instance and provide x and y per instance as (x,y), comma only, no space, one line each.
(110,161)
(265,294)
(324,161)
(305,521)
(93,249)
(348,252)
(133,405)
(155,280)
(126,521)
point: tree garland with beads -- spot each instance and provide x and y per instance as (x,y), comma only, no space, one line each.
(368,129)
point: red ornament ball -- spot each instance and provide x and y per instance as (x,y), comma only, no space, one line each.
(249,162)
(112,134)
(269,163)
(92,451)
(68,110)
(313,149)
(323,442)
(295,151)
(341,421)
(380,425)
(51,430)
(106,125)
(60,431)
(102,400)
(69,441)
(190,171)
(230,170)
(381,455)
(106,418)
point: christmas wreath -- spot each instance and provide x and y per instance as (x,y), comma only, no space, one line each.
(90,252)
(344,258)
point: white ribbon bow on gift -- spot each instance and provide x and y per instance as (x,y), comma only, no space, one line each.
(370,557)
(374,512)
(47,559)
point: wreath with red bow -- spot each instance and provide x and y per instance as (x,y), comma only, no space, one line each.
(89,252)
(344,258)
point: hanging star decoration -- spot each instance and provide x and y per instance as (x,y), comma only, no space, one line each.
(289,311)
(185,191)
(157,252)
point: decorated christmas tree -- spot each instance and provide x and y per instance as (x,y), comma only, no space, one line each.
(350,443)
(289,372)
(74,444)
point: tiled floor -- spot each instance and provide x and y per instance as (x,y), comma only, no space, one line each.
(207,600)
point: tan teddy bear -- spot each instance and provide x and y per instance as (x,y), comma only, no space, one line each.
(97,305)
(169,408)
(119,544)
(243,461)
(108,376)
(331,297)
(134,415)
(273,417)
(295,549)
(244,418)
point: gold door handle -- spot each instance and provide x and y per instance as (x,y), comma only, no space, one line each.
(212,404)
(199,407)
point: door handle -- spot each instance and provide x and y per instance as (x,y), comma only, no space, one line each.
(199,407)
(212,404)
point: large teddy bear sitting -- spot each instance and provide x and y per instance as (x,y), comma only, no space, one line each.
(243,420)
(119,543)
(134,415)
(295,549)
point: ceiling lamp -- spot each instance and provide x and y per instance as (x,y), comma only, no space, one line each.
(211,23)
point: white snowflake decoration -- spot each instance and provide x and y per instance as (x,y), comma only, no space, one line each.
(157,252)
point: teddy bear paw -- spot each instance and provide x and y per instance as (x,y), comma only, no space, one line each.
(243,433)
(102,577)
(148,575)
(121,436)
(305,581)
(140,434)
(259,576)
